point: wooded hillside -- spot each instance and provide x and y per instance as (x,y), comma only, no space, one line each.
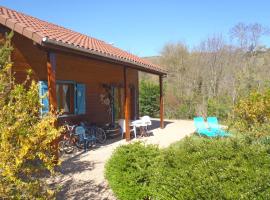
(209,79)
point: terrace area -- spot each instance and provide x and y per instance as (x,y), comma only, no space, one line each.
(82,174)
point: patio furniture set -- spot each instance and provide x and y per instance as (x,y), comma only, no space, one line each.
(142,124)
(85,135)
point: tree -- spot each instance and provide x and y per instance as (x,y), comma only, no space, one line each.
(210,78)
(176,59)
(25,138)
(240,33)
(149,98)
(248,35)
(214,58)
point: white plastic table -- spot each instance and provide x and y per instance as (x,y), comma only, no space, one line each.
(139,124)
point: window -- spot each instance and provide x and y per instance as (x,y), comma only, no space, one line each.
(70,97)
(65,97)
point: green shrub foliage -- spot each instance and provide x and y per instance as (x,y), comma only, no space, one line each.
(213,169)
(129,171)
(186,110)
(219,107)
(149,98)
(192,169)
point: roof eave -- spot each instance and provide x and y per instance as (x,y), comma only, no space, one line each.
(46,42)
(19,28)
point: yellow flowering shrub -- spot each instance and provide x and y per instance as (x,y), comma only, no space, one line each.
(253,113)
(25,138)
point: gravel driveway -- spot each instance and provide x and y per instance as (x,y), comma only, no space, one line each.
(82,174)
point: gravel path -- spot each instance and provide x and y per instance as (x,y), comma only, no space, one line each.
(82,174)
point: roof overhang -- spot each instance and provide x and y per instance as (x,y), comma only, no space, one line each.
(59,46)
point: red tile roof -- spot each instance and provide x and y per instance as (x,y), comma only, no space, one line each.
(43,32)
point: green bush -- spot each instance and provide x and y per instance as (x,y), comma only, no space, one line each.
(213,169)
(129,170)
(149,98)
(192,169)
(186,110)
(219,108)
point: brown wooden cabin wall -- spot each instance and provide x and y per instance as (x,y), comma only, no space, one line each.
(26,55)
(93,73)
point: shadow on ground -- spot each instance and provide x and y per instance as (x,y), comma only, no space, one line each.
(72,163)
(156,124)
(81,190)
(70,188)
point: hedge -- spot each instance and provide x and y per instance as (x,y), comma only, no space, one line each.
(191,169)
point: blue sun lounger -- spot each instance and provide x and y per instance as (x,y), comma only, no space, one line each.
(214,126)
(201,128)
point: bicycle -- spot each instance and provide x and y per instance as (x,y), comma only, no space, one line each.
(97,133)
(82,137)
(66,144)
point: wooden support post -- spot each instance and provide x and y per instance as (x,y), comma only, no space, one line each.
(51,72)
(120,100)
(161,102)
(126,105)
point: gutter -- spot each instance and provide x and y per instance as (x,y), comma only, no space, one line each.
(47,42)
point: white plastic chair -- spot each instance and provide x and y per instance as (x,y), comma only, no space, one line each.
(122,124)
(147,121)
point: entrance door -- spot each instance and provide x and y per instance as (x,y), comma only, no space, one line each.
(118,103)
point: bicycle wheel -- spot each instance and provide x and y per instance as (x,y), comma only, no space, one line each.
(79,143)
(68,147)
(61,146)
(100,135)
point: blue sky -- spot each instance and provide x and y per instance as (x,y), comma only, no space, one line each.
(143,27)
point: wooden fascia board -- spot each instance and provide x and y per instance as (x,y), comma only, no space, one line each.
(19,28)
(99,56)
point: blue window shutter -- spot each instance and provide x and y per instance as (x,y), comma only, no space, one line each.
(43,94)
(80,99)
